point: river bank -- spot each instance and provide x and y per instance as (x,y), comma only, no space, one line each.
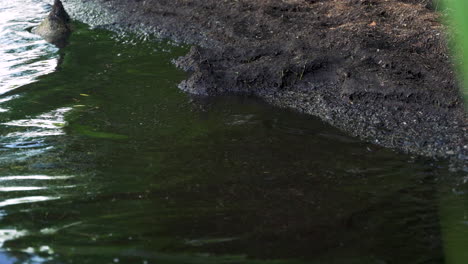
(104,160)
(379,70)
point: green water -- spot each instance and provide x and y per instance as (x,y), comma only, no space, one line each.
(106,161)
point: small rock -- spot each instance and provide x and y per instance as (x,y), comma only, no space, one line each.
(55,27)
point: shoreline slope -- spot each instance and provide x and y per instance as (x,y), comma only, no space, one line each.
(379,70)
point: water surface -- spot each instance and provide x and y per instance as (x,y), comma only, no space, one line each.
(104,160)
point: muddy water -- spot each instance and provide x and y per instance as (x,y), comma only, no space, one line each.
(103,160)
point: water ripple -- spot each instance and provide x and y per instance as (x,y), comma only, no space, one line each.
(28,137)
(27,199)
(34,177)
(19,189)
(54,120)
(9,234)
(23,55)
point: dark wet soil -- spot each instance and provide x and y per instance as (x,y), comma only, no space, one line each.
(377,69)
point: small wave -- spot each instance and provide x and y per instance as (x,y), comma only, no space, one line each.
(54,120)
(28,199)
(29,136)
(23,55)
(10,234)
(34,177)
(21,189)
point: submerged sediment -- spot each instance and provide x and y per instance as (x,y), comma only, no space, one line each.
(377,69)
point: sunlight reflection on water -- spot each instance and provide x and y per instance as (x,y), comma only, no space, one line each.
(9,234)
(34,177)
(23,55)
(18,189)
(28,199)
(31,134)
(53,120)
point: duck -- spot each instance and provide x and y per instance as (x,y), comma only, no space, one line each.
(55,28)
